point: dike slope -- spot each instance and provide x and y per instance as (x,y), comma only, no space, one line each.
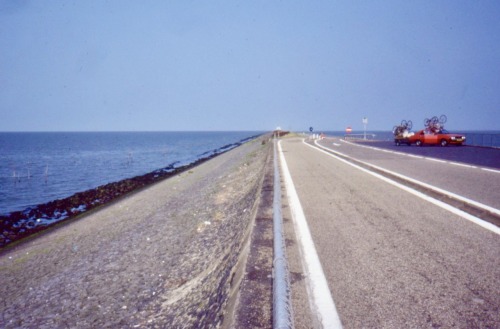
(162,257)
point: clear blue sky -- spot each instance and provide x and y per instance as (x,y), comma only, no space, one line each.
(121,65)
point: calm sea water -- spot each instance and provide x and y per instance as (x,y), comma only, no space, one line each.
(477,138)
(36,168)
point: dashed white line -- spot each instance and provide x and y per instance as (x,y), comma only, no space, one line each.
(320,296)
(436,160)
(421,157)
(491,227)
(462,165)
(491,170)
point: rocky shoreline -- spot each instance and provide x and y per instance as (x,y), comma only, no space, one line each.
(21,224)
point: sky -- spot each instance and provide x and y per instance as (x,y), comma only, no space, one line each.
(123,65)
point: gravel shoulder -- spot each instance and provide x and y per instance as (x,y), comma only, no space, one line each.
(162,257)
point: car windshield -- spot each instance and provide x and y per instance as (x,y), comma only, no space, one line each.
(444,131)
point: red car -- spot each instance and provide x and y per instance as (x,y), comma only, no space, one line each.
(443,138)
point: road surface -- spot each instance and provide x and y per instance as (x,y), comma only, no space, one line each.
(391,258)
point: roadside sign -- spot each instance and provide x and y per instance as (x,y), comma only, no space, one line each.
(365,122)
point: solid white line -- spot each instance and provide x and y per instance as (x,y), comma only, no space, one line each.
(491,227)
(428,186)
(420,157)
(491,170)
(320,296)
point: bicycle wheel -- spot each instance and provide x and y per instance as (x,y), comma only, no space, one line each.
(403,123)
(427,122)
(443,119)
(409,124)
(435,120)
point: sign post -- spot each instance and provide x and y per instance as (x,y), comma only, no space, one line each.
(365,122)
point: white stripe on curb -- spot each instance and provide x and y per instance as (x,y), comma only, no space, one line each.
(320,296)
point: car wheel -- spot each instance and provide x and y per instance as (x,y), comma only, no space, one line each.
(444,142)
(418,143)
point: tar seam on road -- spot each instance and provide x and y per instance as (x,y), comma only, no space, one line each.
(491,227)
(320,296)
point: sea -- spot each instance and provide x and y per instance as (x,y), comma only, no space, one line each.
(39,167)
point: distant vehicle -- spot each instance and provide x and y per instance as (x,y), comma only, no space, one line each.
(429,137)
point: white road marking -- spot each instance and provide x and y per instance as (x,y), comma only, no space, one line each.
(491,170)
(462,165)
(428,186)
(320,296)
(436,160)
(420,157)
(491,227)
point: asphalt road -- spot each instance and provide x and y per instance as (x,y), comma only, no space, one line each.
(460,170)
(391,259)
(474,155)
